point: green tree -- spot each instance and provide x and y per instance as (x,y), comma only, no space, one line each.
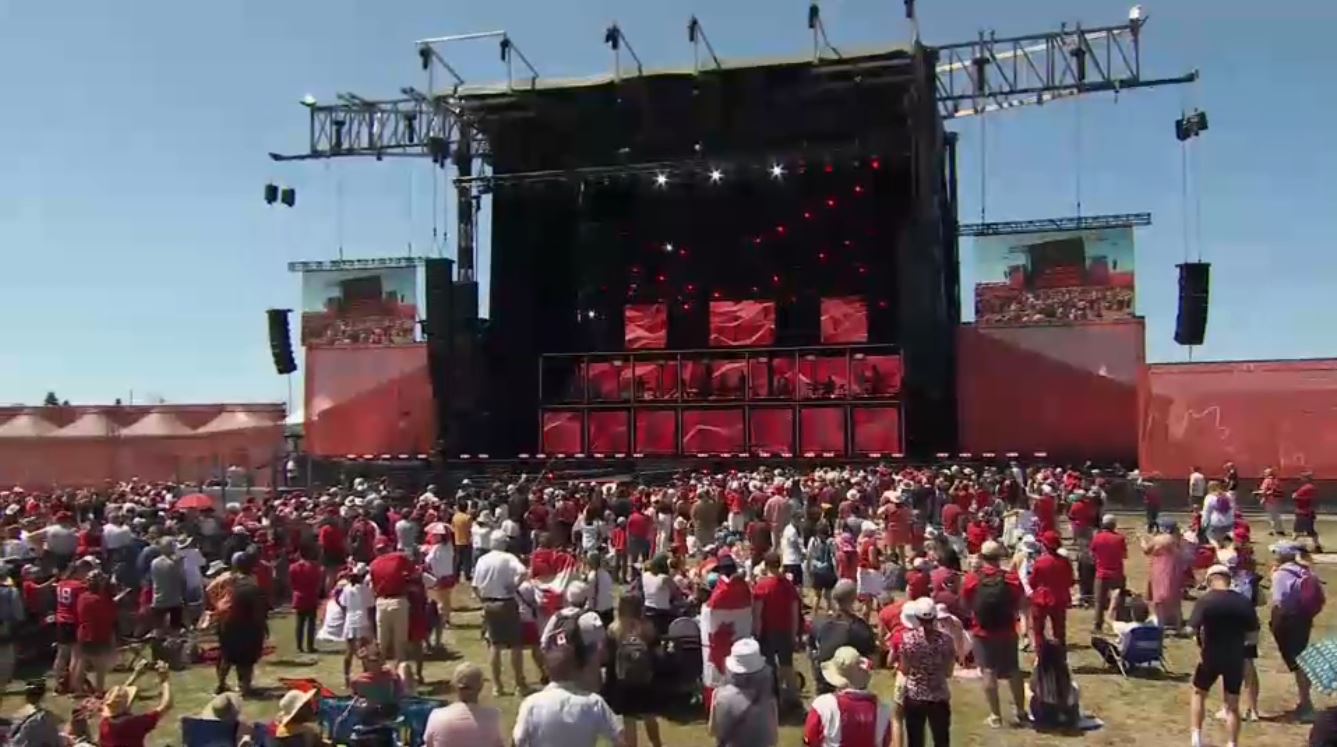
(51,400)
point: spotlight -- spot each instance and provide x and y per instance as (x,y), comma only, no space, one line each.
(777,171)
(590,314)
(308,101)
(715,176)
(661,179)
(1136,14)
(668,247)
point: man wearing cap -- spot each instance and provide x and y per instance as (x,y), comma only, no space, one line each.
(497,577)
(851,716)
(169,588)
(994,596)
(1051,582)
(1109,549)
(34,725)
(567,713)
(391,573)
(1224,622)
(1289,622)
(465,723)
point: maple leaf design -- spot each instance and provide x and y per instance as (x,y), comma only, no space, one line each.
(721,642)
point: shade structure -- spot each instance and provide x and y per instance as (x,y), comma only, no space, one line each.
(194,502)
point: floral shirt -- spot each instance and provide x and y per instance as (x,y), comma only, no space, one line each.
(925,662)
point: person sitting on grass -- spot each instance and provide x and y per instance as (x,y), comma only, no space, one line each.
(296,722)
(378,689)
(34,725)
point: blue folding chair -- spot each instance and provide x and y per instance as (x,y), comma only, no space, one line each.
(207,732)
(413,714)
(1143,646)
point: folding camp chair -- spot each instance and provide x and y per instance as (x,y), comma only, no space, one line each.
(203,732)
(1143,646)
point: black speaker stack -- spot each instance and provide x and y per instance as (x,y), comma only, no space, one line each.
(1191,322)
(280,342)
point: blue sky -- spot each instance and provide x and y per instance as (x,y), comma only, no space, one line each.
(138,254)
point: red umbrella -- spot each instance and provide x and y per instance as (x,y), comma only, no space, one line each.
(194,501)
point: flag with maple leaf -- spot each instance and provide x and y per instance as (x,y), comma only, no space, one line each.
(726,617)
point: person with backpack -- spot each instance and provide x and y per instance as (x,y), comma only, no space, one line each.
(821,565)
(1297,598)
(1225,622)
(994,598)
(744,712)
(629,669)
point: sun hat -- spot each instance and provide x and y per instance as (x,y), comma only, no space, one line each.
(1218,570)
(991,550)
(291,704)
(117,700)
(745,657)
(847,669)
(1051,540)
(223,707)
(468,676)
(916,611)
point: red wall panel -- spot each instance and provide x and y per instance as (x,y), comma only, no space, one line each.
(369,400)
(844,320)
(714,431)
(656,432)
(771,429)
(646,326)
(1070,390)
(876,429)
(821,429)
(609,431)
(1280,414)
(742,323)
(563,432)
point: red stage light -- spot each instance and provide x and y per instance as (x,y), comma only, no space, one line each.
(775,279)
(661,277)
(821,256)
(830,202)
(687,307)
(715,294)
(691,287)
(875,164)
(882,304)
(847,242)
(807,215)
(757,240)
(780,230)
(829,168)
(858,189)
(863,270)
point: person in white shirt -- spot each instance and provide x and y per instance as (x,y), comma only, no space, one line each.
(193,565)
(590,528)
(440,564)
(356,598)
(791,550)
(115,534)
(497,576)
(1218,513)
(566,713)
(601,586)
(1197,487)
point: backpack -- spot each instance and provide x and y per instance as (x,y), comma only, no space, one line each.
(823,562)
(994,606)
(1309,597)
(634,664)
(563,649)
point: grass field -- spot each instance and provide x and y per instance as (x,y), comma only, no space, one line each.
(1134,709)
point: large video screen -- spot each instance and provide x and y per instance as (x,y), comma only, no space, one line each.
(371,306)
(742,323)
(1055,277)
(646,326)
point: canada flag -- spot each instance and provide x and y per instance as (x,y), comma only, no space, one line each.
(726,617)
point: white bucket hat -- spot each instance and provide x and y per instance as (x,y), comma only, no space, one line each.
(745,657)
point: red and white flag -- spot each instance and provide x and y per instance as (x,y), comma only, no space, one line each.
(552,575)
(726,617)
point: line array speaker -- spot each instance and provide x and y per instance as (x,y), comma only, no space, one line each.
(1191,322)
(280,342)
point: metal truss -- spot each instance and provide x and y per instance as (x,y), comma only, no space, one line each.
(381,263)
(991,74)
(412,126)
(1073,223)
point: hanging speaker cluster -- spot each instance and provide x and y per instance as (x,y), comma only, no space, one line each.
(280,342)
(1191,323)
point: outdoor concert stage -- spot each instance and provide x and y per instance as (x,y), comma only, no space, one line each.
(752,261)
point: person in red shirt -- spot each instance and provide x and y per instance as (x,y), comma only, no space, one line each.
(952,518)
(333,549)
(96,631)
(779,616)
(90,541)
(1305,516)
(995,596)
(617,540)
(640,532)
(119,727)
(1109,549)
(759,540)
(68,591)
(1045,508)
(1270,495)
(1051,592)
(391,573)
(305,578)
(977,533)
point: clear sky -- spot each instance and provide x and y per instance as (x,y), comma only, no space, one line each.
(136,252)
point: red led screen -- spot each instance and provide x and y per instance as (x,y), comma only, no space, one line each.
(609,432)
(844,320)
(717,378)
(823,377)
(771,429)
(716,431)
(608,381)
(1280,414)
(1069,390)
(876,429)
(821,429)
(742,323)
(656,432)
(563,432)
(369,400)
(773,377)
(876,375)
(646,326)
(656,380)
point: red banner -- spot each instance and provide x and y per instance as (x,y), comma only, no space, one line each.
(1280,414)
(714,431)
(369,400)
(742,323)
(844,320)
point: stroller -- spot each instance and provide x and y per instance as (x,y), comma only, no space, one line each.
(680,661)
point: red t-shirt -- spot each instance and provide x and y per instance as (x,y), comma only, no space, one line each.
(952,515)
(618,539)
(32,598)
(264,578)
(305,578)
(778,599)
(127,731)
(536,518)
(858,722)
(67,600)
(1051,581)
(1045,508)
(389,574)
(97,618)
(640,526)
(1082,514)
(889,618)
(331,539)
(1304,500)
(972,585)
(1109,550)
(976,535)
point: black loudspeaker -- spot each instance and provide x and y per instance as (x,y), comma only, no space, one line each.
(280,343)
(439,330)
(1191,323)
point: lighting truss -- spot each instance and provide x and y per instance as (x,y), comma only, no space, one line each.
(991,74)
(416,125)
(1044,225)
(379,263)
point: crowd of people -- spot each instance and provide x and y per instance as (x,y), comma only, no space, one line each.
(633,601)
(1003,304)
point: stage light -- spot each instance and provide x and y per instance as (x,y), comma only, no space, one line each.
(821,256)
(807,215)
(308,101)
(777,171)
(1136,14)
(775,279)
(780,230)
(828,168)
(830,202)
(590,314)
(668,247)
(858,189)
(661,179)
(715,176)
(875,164)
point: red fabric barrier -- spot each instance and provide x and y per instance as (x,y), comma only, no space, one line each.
(1069,390)
(563,432)
(771,429)
(715,431)
(844,320)
(821,429)
(656,432)
(1280,414)
(876,429)
(369,400)
(609,432)
(742,323)
(646,326)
